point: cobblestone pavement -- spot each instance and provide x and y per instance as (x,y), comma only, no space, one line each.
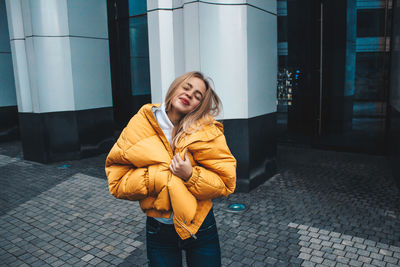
(323,208)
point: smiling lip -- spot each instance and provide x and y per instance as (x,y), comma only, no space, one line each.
(184,101)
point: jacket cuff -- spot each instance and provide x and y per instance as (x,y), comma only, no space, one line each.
(193,179)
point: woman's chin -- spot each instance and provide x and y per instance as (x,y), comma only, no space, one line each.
(182,108)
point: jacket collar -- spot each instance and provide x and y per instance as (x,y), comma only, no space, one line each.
(147,111)
(209,129)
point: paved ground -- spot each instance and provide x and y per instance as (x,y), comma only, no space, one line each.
(324,208)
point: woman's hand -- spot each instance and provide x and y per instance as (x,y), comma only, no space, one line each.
(180,168)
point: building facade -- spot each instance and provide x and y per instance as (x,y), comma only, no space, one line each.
(77,63)
(321,73)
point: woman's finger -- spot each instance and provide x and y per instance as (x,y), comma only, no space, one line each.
(186,157)
(178,158)
(175,160)
(172,168)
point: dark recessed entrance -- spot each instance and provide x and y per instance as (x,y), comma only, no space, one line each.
(337,58)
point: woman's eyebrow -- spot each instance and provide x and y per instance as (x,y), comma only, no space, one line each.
(197,91)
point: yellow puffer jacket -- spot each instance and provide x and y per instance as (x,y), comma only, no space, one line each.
(137,168)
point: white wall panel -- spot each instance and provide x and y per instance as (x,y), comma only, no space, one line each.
(179,55)
(88,18)
(21,74)
(223,48)
(161,50)
(268,5)
(53,74)
(167,50)
(262,61)
(177,3)
(26,17)
(223,1)
(49,17)
(32,73)
(154,4)
(91,73)
(15,19)
(232,41)
(154,56)
(42,63)
(191,33)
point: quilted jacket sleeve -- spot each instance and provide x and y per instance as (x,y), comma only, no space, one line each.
(215,174)
(125,180)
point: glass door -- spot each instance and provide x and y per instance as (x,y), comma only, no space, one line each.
(337,52)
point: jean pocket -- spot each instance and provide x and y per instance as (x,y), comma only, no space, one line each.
(208,223)
(205,228)
(207,233)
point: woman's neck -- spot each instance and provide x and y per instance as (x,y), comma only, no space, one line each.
(174,116)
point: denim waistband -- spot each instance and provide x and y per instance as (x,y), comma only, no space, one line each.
(154,222)
(208,220)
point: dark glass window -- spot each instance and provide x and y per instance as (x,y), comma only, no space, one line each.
(137,7)
(129,56)
(370,22)
(282,29)
(370,76)
(139,48)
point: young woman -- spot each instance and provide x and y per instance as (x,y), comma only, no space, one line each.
(174,159)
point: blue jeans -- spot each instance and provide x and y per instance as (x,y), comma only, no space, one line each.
(164,246)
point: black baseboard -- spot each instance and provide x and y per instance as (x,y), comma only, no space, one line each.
(394,143)
(96,131)
(68,135)
(9,123)
(253,143)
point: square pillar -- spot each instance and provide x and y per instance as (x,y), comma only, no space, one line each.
(62,73)
(235,43)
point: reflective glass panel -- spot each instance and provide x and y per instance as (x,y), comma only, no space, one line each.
(139,55)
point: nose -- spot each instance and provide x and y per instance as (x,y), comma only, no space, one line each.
(189,93)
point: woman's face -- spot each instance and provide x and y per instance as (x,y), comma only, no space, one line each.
(188,95)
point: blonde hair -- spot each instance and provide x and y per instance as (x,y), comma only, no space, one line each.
(209,107)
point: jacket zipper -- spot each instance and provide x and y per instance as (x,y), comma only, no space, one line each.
(191,234)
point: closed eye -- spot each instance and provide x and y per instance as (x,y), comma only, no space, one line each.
(198,97)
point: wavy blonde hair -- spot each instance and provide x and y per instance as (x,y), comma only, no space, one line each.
(209,107)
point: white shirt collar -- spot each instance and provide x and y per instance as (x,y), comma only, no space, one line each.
(162,118)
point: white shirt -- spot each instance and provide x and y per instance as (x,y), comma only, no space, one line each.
(167,127)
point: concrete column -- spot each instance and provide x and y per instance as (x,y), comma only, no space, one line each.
(8,100)
(161,47)
(235,43)
(62,72)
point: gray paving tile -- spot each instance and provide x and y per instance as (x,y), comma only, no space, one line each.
(311,209)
